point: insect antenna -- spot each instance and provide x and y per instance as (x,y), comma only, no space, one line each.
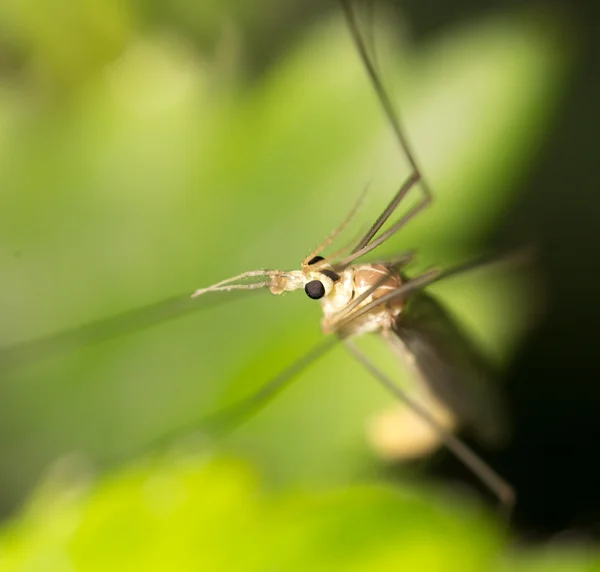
(335,233)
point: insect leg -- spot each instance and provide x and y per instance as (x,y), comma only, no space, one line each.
(492,480)
(228,419)
(365,245)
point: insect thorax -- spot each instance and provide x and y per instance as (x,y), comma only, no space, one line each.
(354,281)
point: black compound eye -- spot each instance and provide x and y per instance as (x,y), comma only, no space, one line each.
(315,259)
(314,289)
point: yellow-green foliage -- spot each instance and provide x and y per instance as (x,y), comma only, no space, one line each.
(212,514)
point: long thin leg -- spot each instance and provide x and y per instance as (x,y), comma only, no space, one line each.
(348,314)
(492,480)
(406,186)
(379,89)
(225,421)
(228,419)
(412,213)
(363,247)
(70,340)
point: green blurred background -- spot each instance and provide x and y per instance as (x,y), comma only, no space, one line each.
(149,149)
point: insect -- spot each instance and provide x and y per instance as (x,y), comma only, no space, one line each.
(378,297)
(357,297)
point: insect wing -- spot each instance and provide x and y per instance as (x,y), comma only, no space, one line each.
(451,366)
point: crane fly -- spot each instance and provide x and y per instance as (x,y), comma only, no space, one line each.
(377,297)
(356,298)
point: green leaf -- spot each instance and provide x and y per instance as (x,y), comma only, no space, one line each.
(212,514)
